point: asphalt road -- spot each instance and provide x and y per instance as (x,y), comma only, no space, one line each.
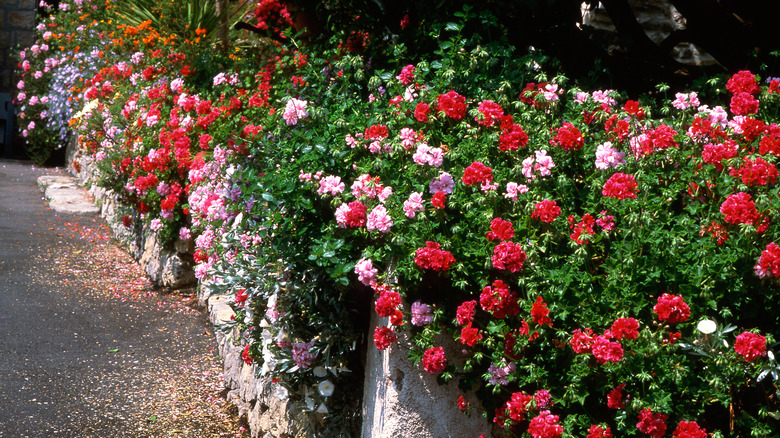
(81,356)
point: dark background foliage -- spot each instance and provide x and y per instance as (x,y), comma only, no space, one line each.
(739,35)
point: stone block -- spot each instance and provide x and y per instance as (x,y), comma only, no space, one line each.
(400,400)
(23,38)
(27,4)
(5,77)
(21,19)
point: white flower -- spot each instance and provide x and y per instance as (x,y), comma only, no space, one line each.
(326,388)
(320,371)
(281,392)
(322,409)
(707,326)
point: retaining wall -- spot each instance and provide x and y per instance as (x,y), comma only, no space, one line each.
(399,400)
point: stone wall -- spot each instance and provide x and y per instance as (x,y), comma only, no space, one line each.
(267,415)
(658,18)
(399,400)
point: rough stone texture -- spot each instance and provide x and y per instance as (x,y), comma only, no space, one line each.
(267,415)
(22,19)
(658,18)
(24,38)
(65,196)
(400,400)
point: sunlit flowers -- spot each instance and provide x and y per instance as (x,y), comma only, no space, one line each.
(620,186)
(750,346)
(672,309)
(294,111)
(432,257)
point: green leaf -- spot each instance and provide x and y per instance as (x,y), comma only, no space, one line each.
(268,197)
(444,45)
(454,27)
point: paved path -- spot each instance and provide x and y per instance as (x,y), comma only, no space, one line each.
(87,347)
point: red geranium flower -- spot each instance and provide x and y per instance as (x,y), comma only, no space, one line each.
(672,309)
(689,429)
(512,136)
(739,209)
(615,397)
(499,300)
(384,337)
(743,82)
(599,432)
(517,406)
(439,199)
(491,113)
(581,341)
(653,424)
(477,173)
(245,355)
(465,312)
(431,257)
(452,104)
(546,211)
(421,112)
(500,230)
(605,350)
(620,186)
(627,328)
(540,312)
(470,335)
(545,425)
(769,262)
(568,137)
(387,302)
(433,360)
(750,346)
(509,256)
(716,153)
(756,172)
(743,104)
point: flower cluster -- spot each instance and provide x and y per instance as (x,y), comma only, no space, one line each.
(311,177)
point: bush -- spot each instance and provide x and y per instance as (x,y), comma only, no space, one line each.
(604,269)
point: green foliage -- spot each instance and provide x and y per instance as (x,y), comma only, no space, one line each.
(190,20)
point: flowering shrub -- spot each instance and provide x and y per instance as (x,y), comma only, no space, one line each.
(52,72)
(317,187)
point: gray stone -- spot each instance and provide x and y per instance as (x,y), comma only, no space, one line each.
(21,19)
(65,196)
(27,4)
(23,38)
(658,18)
(400,400)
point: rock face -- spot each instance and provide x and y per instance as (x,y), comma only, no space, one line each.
(267,415)
(401,400)
(658,18)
